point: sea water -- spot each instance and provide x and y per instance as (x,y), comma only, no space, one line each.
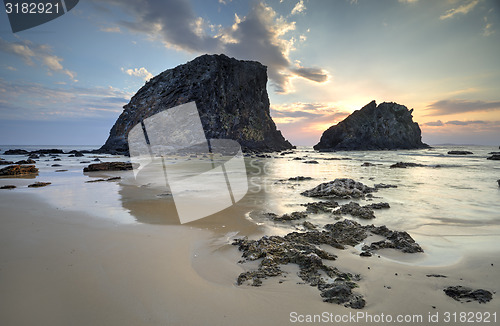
(450,205)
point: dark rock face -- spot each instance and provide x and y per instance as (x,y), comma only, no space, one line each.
(386,126)
(230,95)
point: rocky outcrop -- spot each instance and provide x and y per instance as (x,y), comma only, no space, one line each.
(39,184)
(459,153)
(386,126)
(339,188)
(18,170)
(461,293)
(230,95)
(404,165)
(494,157)
(108,166)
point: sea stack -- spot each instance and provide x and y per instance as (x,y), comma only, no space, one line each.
(386,126)
(230,95)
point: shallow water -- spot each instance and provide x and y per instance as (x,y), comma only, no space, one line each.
(450,206)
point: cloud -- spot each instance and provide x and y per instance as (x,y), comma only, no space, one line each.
(445,107)
(488,28)
(139,72)
(114,29)
(299,7)
(261,35)
(314,74)
(438,123)
(462,9)
(31,53)
(465,123)
(407,1)
(31,101)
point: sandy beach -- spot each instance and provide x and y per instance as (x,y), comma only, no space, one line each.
(65,267)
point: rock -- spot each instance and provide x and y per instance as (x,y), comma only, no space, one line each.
(299,178)
(356,210)
(28,161)
(18,170)
(320,207)
(308,225)
(108,166)
(287,152)
(366,254)
(498,181)
(8,187)
(386,126)
(367,164)
(436,275)
(297,159)
(404,165)
(3,162)
(16,152)
(230,95)
(340,292)
(494,157)
(76,153)
(494,153)
(383,186)
(96,160)
(339,188)
(378,205)
(57,159)
(102,180)
(61,171)
(461,293)
(287,217)
(34,156)
(399,240)
(263,156)
(459,153)
(48,151)
(311,162)
(39,184)
(56,165)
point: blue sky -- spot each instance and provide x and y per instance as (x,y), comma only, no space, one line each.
(65,82)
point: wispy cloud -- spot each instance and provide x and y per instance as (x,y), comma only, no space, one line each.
(488,27)
(139,72)
(439,123)
(445,107)
(113,29)
(31,101)
(407,1)
(299,7)
(462,9)
(31,53)
(261,35)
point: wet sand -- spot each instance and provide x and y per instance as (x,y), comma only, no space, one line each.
(62,267)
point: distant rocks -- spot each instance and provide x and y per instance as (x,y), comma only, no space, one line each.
(461,293)
(383,186)
(339,188)
(16,152)
(495,157)
(299,178)
(367,164)
(8,187)
(230,95)
(404,165)
(108,166)
(39,184)
(18,170)
(320,207)
(287,217)
(459,153)
(386,126)
(311,162)
(103,180)
(378,205)
(498,181)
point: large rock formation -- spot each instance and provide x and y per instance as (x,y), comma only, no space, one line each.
(386,126)
(230,95)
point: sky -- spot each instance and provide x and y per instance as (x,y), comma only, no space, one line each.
(65,82)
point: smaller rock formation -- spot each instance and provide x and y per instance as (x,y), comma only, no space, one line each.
(494,157)
(16,152)
(108,166)
(404,165)
(356,210)
(339,188)
(461,293)
(18,170)
(386,126)
(459,153)
(39,184)
(8,187)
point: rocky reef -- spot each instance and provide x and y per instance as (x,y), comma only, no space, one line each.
(230,95)
(386,126)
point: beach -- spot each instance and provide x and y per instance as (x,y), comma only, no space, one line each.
(77,253)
